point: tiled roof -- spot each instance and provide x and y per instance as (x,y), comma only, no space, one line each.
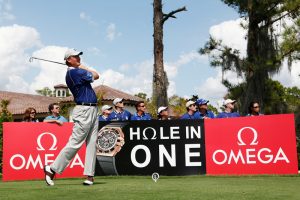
(61,86)
(19,102)
(109,94)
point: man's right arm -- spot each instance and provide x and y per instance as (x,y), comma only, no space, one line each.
(95,74)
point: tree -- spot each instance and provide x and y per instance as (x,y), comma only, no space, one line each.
(160,79)
(45,92)
(5,116)
(141,95)
(264,56)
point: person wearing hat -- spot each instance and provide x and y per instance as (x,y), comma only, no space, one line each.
(229,106)
(203,109)
(140,112)
(119,114)
(162,113)
(191,111)
(106,110)
(85,117)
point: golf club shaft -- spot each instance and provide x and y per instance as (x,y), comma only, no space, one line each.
(31,58)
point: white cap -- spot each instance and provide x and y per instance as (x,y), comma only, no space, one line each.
(72,52)
(105,107)
(161,109)
(189,103)
(117,100)
(227,101)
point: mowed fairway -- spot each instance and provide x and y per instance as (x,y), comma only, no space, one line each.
(142,187)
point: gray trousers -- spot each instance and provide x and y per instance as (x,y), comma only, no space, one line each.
(85,130)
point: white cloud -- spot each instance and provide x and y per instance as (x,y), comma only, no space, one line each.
(88,19)
(135,78)
(50,74)
(111,32)
(15,42)
(5,10)
(289,78)
(232,34)
(212,88)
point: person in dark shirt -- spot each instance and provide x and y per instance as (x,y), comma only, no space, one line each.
(229,106)
(119,114)
(29,115)
(85,117)
(106,110)
(203,109)
(140,112)
(163,113)
(191,111)
(254,109)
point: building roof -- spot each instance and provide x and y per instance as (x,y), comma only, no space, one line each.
(109,94)
(61,86)
(19,102)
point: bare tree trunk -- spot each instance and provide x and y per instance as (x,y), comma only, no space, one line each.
(160,80)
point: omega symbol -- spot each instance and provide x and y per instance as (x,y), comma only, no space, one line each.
(254,140)
(41,148)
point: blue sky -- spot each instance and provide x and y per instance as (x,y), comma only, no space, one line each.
(116,38)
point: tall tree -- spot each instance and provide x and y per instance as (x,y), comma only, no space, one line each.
(264,56)
(160,79)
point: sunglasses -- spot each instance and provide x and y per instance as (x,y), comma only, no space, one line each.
(142,106)
(33,113)
(256,107)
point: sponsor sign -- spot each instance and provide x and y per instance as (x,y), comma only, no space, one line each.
(251,145)
(174,147)
(27,147)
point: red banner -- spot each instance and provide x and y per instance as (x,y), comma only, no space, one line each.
(27,147)
(251,145)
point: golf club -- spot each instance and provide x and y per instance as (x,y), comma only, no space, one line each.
(32,58)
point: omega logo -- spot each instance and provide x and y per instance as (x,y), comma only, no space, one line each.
(241,142)
(38,160)
(41,148)
(262,155)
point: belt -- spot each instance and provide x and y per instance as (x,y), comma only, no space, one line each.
(87,104)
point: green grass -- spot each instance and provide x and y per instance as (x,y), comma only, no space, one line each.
(142,187)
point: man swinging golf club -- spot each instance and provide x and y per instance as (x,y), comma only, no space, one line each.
(85,117)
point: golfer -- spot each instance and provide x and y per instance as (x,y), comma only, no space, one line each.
(78,79)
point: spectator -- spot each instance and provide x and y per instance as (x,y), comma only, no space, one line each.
(55,117)
(191,111)
(254,109)
(203,109)
(140,112)
(29,115)
(106,111)
(119,114)
(162,113)
(229,106)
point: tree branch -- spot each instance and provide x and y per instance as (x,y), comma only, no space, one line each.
(280,17)
(172,14)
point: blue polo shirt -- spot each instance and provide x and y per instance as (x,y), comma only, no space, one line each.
(196,115)
(228,115)
(59,118)
(208,114)
(144,116)
(119,116)
(79,82)
(103,119)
